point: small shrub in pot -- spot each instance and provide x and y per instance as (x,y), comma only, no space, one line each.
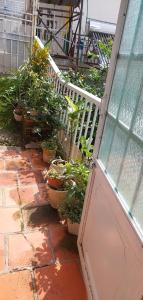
(49,147)
(55,179)
(58,196)
(71,208)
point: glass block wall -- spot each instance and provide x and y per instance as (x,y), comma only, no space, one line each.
(121,151)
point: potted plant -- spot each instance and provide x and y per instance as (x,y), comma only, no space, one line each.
(49,149)
(55,179)
(57,196)
(71,208)
(59,165)
(17,112)
(29,120)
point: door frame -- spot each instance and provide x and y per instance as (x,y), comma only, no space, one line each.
(103,112)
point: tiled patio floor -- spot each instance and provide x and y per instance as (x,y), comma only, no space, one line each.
(38,258)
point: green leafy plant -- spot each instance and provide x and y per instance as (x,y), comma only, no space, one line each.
(39,59)
(73,112)
(86,148)
(50,144)
(72,207)
(8,101)
(92,79)
(106,48)
(79,173)
(31,89)
(52,173)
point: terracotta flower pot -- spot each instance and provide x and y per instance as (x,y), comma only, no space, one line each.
(56,197)
(55,182)
(18,117)
(48,155)
(73,228)
(29,122)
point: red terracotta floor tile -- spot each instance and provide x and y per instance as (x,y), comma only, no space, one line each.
(60,282)
(24,154)
(29,195)
(8,178)
(17,164)
(1,196)
(21,196)
(40,217)
(38,164)
(11,196)
(42,196)
(9,220)
(47,241)
(30,153)
(1,164)
(35,195)
(26,177)
(35,153)
(30,177)
(8,154)
(16,286)
(1,252)
(29,249)
(39,175)
(64,244)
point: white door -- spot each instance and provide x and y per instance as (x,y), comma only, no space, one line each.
(111,231)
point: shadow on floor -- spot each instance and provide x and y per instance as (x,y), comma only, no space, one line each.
(40,216)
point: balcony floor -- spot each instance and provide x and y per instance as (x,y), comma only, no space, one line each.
(38,258)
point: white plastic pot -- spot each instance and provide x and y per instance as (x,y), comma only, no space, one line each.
(56,197)
(73,228)
(17,117)
(57,165)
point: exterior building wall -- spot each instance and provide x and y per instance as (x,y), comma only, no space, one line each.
(101,10)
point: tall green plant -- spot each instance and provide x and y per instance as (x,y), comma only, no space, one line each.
(74,111)
(72,207)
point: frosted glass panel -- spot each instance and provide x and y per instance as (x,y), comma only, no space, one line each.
(138,126)
(106,141)
(132,92)
(121,150)
(138,207)
(118,85)
(130,172)
(116,154)
(138,47)
(130,26)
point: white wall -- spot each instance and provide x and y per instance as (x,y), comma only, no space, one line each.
(103,10)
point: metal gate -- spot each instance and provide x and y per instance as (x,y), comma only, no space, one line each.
(16,32)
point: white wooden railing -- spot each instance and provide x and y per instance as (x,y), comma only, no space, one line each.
(88,119)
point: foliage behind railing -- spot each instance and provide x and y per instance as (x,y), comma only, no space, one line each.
(87,118)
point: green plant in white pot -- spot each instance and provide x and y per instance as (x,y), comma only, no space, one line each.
(71,208)
(58,195)
(59,165)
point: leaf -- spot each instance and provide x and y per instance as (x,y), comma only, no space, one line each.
(73,107)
